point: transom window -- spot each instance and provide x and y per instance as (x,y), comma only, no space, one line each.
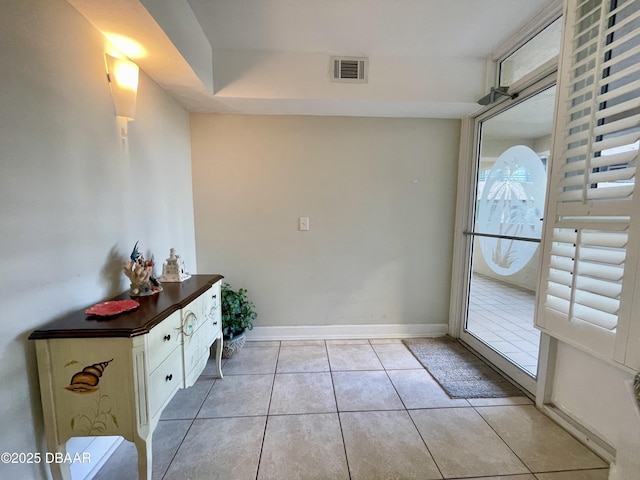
(537,51)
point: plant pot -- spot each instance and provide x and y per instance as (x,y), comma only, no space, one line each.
(231,346)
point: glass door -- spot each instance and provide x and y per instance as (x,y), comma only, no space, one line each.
(510,189)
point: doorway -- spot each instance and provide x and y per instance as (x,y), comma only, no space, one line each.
(505,228)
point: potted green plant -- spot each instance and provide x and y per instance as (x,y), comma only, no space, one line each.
(237,316)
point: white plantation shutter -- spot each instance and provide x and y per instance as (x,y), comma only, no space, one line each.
(591,198)
(585,275)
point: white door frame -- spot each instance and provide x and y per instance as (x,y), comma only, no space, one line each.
(461,267)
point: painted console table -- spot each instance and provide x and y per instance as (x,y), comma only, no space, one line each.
(115,376)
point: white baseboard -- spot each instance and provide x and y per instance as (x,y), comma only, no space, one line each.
(339,332)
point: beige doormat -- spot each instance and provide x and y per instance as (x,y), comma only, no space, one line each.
(458,371)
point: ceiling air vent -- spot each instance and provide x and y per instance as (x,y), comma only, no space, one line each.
(349,69)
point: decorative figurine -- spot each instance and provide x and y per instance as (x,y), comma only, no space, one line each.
(174,269)
(140,272)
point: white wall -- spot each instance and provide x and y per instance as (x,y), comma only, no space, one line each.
(380,194)
(74,196)
(597,395)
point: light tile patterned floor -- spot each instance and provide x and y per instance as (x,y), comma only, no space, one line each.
(338,410)
(501,315)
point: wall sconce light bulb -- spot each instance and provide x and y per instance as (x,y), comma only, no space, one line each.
(122,75)
(126,75)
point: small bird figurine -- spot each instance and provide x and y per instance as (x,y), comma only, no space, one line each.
(135,254)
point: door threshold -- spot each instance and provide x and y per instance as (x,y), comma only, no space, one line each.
(503,366)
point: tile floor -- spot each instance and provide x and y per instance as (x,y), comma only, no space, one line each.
(361,409)
(501,315)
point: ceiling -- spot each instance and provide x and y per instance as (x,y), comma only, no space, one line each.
(427,58)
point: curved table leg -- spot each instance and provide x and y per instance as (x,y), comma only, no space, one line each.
(145,457)
(60,470)
(219,356)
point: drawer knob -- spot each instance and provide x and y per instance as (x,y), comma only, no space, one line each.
(167,338)
(215,323)
(169,377)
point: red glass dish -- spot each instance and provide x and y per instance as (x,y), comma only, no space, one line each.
(111,308)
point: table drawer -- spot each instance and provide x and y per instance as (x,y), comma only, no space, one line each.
(210,332)
(213,313)
(211,303)
(164,381)
(163,339)
(193,347)
(199,365)
(192,320)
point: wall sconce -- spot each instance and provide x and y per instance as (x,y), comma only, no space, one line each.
(122,75)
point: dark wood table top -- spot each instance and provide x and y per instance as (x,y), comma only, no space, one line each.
(152,310)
